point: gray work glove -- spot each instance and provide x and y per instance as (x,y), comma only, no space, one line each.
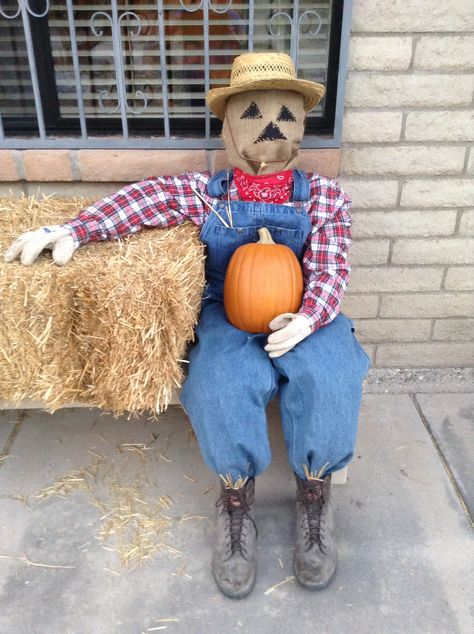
(30,244)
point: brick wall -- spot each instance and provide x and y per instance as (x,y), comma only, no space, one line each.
(407,162)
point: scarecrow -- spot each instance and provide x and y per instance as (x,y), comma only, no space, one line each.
(311,359)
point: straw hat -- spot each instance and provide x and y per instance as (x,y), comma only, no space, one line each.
(263,71)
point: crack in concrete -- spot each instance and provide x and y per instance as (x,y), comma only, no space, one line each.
(20,417)
(443,460)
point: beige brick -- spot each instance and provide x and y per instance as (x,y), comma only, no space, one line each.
(424,355)
(382,90)
(355,306)
(367,194)
(390,279)
(439,192)
(370,350)
(453,52)
(219,160)
(410,15)
(375,224)
(428,305)
(8,168)
(454,329)
(460,278)
(47,165)
(369,252)
(466,226)
(440,125)
(325,162)
(390,160)
(470,164)
(380,53)
(136,165)
(371,127)
(390,330)
(434,251)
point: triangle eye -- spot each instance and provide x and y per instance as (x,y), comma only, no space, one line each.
(285,115)
(252,112)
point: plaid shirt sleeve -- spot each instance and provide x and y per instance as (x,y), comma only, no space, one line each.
(164,201)
(325,264)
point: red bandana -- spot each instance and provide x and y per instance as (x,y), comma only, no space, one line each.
(269,188)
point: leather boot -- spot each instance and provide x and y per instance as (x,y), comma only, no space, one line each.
(234,558)
(315,558)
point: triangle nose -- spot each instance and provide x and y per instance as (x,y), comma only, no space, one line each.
(271,132)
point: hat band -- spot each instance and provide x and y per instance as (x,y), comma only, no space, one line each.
(246,75)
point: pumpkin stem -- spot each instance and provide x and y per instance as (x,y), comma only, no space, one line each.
(265,236)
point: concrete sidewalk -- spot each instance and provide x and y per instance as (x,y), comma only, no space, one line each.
(403,518)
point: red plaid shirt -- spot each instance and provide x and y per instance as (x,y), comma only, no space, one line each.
(167,201)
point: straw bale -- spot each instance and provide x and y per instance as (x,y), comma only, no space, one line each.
(110,328)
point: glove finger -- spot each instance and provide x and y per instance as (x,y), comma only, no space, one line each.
(280,321)
(15,248)
(63,250)
(33,248)
(284,334)
(287,344)
(278,353)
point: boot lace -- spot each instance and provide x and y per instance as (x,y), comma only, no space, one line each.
(235,503)
(313,503)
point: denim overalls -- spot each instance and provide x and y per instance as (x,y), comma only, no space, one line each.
(232,379)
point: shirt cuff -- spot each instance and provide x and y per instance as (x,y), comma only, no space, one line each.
(314,319)
(79,231)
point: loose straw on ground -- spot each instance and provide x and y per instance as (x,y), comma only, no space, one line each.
(131,518)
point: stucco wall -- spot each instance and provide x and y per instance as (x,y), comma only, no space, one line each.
(406,161)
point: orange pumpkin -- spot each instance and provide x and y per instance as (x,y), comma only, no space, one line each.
(263,280)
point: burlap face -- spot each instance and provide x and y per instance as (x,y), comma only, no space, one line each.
(263,130)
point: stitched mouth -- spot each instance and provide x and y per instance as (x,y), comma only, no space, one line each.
(271,132)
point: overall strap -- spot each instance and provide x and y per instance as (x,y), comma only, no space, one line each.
(301,188)
(217,186)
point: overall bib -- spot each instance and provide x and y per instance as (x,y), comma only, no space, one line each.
(232,379)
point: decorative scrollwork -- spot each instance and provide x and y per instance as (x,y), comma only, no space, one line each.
(104,94)
(280,14)
(24,4)
(103,14)
(223,9)
(133,16)
(135,31)
(140,95)
(10,16)
(310,13)
(291,22)
(192,8)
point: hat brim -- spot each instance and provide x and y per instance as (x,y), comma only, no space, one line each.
(311,91)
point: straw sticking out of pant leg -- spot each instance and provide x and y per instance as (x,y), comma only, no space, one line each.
(315,475)
(109,328)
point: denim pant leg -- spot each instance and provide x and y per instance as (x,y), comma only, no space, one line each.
(229,385)
(320,395)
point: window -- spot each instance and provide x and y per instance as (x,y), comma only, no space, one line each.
(133,72)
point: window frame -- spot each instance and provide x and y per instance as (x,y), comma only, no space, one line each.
(326,131)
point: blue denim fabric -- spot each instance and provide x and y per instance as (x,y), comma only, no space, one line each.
(232,379)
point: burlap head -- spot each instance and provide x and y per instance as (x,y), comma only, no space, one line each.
(263,130)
